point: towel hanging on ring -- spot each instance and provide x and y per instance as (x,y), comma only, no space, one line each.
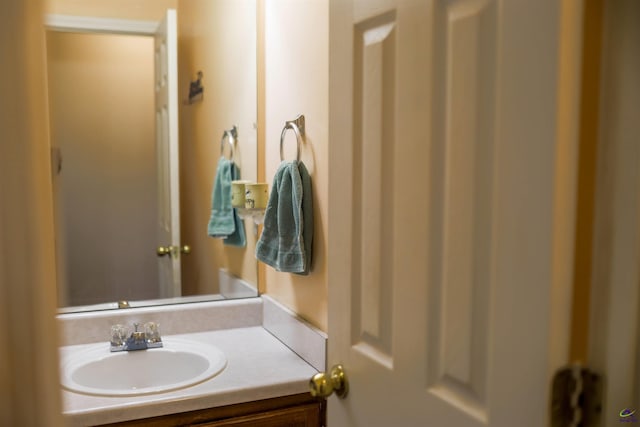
(224,221)
(286,241)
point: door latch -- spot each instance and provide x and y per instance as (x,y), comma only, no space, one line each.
(576,398)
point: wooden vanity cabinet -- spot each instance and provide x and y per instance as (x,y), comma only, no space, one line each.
(300,410)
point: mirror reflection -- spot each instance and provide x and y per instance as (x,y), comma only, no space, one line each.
(133,165)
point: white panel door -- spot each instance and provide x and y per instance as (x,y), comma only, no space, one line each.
(442,227)
(166,86)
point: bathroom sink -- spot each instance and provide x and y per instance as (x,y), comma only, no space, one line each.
(180,363)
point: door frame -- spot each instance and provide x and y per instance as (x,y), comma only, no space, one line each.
(90,24)
(613,339)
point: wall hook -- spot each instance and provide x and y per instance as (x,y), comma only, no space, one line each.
(196,90)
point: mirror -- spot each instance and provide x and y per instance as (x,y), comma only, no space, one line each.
(110,204)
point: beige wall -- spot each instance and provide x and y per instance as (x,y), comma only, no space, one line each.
(218,38)
(144,10)
(101,99)
(296,77)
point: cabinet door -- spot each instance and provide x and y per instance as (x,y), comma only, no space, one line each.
(299,416)
(298,410)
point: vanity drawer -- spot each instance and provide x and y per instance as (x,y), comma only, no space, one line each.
(300,410)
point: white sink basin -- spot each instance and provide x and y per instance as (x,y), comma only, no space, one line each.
(180,363)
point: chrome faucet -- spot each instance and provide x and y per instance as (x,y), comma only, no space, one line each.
(138,340)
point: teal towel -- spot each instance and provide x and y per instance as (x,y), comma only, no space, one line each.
(287,236)
(224,222)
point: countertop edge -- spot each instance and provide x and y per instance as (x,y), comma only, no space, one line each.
(187,404)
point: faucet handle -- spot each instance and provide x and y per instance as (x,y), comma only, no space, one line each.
(118,335)
(152,333)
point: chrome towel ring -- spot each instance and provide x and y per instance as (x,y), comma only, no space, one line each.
(230,136)
(298,128)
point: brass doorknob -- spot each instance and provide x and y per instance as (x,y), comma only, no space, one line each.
(172,250)
(163,250)
(322,385)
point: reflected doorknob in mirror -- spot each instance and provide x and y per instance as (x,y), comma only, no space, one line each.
(323,384)
(163,250)
(167,250)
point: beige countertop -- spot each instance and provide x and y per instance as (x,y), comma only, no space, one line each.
(258,367)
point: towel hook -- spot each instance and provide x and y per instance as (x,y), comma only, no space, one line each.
(297,126)
(230,136)
(196,90)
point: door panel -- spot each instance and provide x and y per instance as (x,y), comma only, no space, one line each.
(442,222)
(462,206)
(372,224)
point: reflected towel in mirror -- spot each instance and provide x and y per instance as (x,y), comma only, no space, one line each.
(224,222)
